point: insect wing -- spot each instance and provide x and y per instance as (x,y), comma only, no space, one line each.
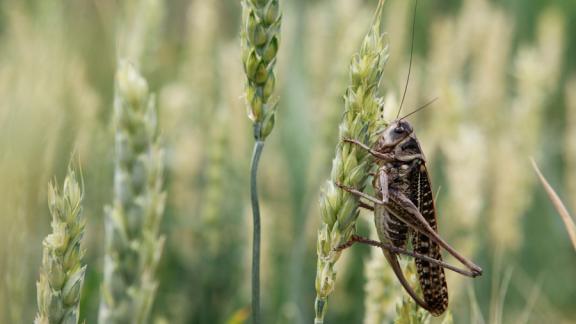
(431,276)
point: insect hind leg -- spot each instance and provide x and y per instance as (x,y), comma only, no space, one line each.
(364,240)
(365,206)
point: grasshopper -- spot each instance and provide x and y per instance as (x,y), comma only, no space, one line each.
(404,207)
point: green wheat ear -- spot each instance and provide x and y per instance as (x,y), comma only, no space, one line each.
(260,42)
(62,272)
(133,243)
(351,166)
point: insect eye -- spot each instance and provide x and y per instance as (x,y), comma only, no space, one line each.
(399,130)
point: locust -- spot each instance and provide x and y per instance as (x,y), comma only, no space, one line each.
(404,208)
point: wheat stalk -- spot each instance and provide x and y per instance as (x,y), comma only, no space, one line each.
(133,245)
(62,273)
(260,41)
(350,167)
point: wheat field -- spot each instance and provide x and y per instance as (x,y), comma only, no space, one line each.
(126,135)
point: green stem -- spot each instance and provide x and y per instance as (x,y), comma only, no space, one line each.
(258,146)
(320,309)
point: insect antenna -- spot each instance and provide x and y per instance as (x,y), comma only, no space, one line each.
(410,63)
(419,108)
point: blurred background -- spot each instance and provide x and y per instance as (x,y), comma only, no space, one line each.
(503,72)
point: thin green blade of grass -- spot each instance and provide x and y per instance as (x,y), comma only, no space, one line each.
(558,204)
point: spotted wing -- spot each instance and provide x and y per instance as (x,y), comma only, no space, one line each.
(431,276)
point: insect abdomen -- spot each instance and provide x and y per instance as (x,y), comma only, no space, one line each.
(390,229)
(397,231)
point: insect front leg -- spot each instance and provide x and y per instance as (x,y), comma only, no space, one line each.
(383,187)
(360,194)
(401,207)
(374,153)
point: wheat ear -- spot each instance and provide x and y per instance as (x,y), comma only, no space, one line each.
(351,166)
(133,243)
(62,272)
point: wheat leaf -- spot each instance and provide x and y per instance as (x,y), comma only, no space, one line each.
(557,202)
